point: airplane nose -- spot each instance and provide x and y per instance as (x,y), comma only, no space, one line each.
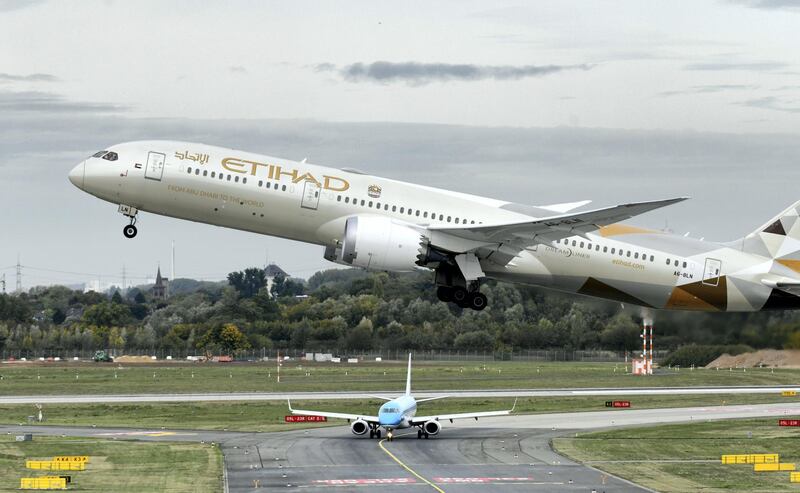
(76,175)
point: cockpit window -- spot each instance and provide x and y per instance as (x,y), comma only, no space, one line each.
(99,153)
(111,156)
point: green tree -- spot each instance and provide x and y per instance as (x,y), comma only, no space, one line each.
(107,314)
(248,282)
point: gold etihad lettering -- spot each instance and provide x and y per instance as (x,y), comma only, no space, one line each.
(276,172)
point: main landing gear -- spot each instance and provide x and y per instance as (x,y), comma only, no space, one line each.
(458,281)
(130,230)
(461,297)
(421,434)
(376,433)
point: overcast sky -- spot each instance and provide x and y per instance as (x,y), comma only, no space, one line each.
(537,103)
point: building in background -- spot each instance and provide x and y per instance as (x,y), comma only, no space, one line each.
(161,286)
(271,272)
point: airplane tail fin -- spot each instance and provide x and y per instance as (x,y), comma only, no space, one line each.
(408,377)
(778,238)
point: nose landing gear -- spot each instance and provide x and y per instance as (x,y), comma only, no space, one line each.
(130,230)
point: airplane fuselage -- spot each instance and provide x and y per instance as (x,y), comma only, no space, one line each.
(310,203)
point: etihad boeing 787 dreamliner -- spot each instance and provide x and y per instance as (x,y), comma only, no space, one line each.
(382,224)
(400,413)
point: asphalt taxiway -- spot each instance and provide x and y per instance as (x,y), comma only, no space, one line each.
(510,453)
(282,396)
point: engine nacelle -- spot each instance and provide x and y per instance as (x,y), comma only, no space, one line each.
(432,427)
(359,427)
(379,243)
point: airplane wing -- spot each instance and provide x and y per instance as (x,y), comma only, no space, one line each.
(349,417)
(502,242)
(418,420)
(553,227)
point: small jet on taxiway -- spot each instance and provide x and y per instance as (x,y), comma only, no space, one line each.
(400,413)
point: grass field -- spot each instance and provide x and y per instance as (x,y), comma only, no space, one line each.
(269,415)
(67,378)
(686,457)
(118,465)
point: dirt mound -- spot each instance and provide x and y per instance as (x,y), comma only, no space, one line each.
(133,359)
(770,358)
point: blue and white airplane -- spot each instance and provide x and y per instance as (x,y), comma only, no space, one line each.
(400,413)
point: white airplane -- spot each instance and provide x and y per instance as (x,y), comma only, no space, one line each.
(382,224)
(400,413)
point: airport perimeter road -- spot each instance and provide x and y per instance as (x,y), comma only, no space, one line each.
(282,396)
(511,453)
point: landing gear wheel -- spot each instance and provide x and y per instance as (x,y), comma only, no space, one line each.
(372,433)
(378,434)
(477,301)
(129,231)
(444,293)
(460,296)
(419,434)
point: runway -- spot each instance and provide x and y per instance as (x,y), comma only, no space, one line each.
(510,454)
(282,396)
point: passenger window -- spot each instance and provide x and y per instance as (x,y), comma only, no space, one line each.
(613,251)
(684,265)
(283,188)
(213,174)
(228,177)
(668,261)
(425,214)
(652,258)
(676,263)
(456,220)
(220,176)
(418,213)
(260,183)
(394,208)
(410,211)
(244,180)
(369,204)
(205,172)
(189,170)
(402,209)
(574,242)
(636,255)
(347,200)
(276,186)
(197,171)
(362,202)
(441,217)
(472,222)
(338,198)
(597,248)
(581,244)
(386,207)
(236,179)
(605,249)
(111,156)
(449,218)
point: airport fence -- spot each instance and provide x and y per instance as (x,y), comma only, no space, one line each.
(597,355)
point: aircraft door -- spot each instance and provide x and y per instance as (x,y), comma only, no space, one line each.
(311,191)
(155,166)
(712,271)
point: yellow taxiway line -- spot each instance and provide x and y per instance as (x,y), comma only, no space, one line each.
(394,457)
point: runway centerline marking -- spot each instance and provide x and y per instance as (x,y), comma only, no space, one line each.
(394,457)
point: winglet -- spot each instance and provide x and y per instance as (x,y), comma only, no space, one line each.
(514,406)
(290,405)
(408,378)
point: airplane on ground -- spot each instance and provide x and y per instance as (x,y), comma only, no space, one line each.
(389,225)
(400,413)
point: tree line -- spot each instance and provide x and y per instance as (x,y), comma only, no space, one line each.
(356,310)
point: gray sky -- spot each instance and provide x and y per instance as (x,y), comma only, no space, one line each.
(537,103)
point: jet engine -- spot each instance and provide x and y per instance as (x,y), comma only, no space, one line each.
(379,243)
(359,427)
(432,427)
